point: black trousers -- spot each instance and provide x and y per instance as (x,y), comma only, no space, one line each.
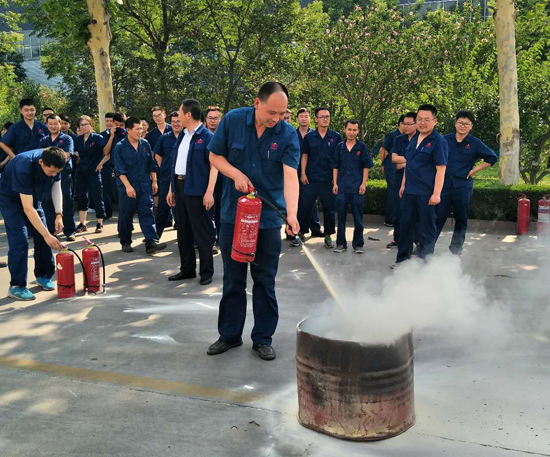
(193,224)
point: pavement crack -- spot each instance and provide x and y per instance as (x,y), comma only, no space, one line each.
(485,445)
(306,450)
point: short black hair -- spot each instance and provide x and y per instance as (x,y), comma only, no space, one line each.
(157,108)
(410,114)
(131,121)
(321,108)
(109,115)
(26,102)
(270,88)
(212,108)
(119,117)
(47,109)
(174,114)
(53,116)
(351,121)
(467,114)
(428,107)
(190,105)
(7,125)
(54,157)
(401,119)
(65,118)
(302,110)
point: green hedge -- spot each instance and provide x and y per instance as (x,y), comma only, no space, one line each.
(491,201)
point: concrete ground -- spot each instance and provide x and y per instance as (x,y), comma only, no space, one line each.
(126,373)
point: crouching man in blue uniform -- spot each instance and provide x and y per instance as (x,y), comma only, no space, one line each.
(351,165)
(136,174)
(255,147)
(26,179)
(426,158)
(464,151)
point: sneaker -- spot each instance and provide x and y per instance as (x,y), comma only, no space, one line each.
(298,240)
(388,224)
(215,250)
(317,234)
(3,264)
(21,293)
(127,248)
(45,283)
(414,253)
(340,248)
(328,242)
(391,245)
(358,250)
(99,228)
(395,266)
(71,237)
(154,247)
(81,228)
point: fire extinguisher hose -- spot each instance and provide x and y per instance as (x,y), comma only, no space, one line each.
(83,269)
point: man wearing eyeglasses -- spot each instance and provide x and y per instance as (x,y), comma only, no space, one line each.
(318,149)
(426,158)
(464,151)
(213,116)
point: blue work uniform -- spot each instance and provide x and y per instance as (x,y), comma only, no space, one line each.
(23,175)
(315,222)
(88,184)
(21,138)
(154,135)
(64,142)
(399,147)
(350,165)
(261,160)
(74,157)
(107,172)
(163,148)
(320,152)
(420,173)
(192,219)
(392,204)
(458,189)
(136,164)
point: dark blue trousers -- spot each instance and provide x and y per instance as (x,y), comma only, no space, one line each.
(126,209)
(89,187)
(232,313)
(355,201)
(164,212)
(415,212)
(108,182)
(392,196)
(315,223)
(394,191)
(18,227)
(308,200)
(457,198)
(69,222)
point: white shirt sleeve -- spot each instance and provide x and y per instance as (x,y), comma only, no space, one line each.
(57,196)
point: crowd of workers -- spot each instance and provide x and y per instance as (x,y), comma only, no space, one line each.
(193,169)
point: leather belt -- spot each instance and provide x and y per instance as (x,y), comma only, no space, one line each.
(180,177)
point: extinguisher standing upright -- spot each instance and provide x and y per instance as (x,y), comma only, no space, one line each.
(543,220)
(524,215)
(64,264)
(247,225)
(92,265)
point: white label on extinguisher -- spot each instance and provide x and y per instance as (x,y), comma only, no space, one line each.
(544,213)
(250,223)
(59,267)
(93,272)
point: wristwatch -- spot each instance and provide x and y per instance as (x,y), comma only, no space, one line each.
(59,214)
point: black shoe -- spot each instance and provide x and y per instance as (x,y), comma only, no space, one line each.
(221,346)
(388,224)
(180,276)
(215,250)
(127,248)
(3,264)
(265,350)
(206,281)
(154,247)
(391,245)
(317,235)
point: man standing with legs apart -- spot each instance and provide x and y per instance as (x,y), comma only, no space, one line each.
(136,170)
(255,147)
(420,191)
(351,170)
(464,151)
(318,149)
(192,193)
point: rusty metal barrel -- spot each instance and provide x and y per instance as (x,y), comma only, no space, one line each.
(351,390)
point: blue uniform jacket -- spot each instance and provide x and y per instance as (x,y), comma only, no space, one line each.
(320,153)
(90,152)
(388,142)
(154,135)
(164,148)
(23,175)
(120,134)
(198,165)
(260,159)
(350,165)
(422,161)
(64,142)
(21,138)
(399,147)
(135,164)
(462,158)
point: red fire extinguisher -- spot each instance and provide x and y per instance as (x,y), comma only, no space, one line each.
(64,262)
(247,224)
(92,266)
(524,215)
(543,221)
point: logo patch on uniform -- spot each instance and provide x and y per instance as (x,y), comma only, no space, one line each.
(60,142)
(39,130)
(467,146)
(331,140)
(273,146)
(199,141)
(429,145)
(358,153)
(93,144)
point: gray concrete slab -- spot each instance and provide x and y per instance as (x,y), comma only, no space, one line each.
(126,373)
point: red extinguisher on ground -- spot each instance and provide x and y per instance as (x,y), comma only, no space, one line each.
(64,264)
(247,225)
(524,215)
(91,256)
(543,220)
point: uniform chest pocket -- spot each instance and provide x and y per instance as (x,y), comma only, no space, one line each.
(271,159)
(199,152)
(314,145)
(236,153)
(423,156)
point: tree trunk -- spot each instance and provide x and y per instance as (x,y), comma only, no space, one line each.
(504,18)
(99,45)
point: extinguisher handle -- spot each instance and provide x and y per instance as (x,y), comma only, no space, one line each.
(88,241)
(251,189)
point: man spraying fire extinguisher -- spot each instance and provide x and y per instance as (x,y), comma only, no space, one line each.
(254,147)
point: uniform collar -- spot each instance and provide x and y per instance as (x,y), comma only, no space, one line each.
(250,122)
(197,131)
(467,139)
